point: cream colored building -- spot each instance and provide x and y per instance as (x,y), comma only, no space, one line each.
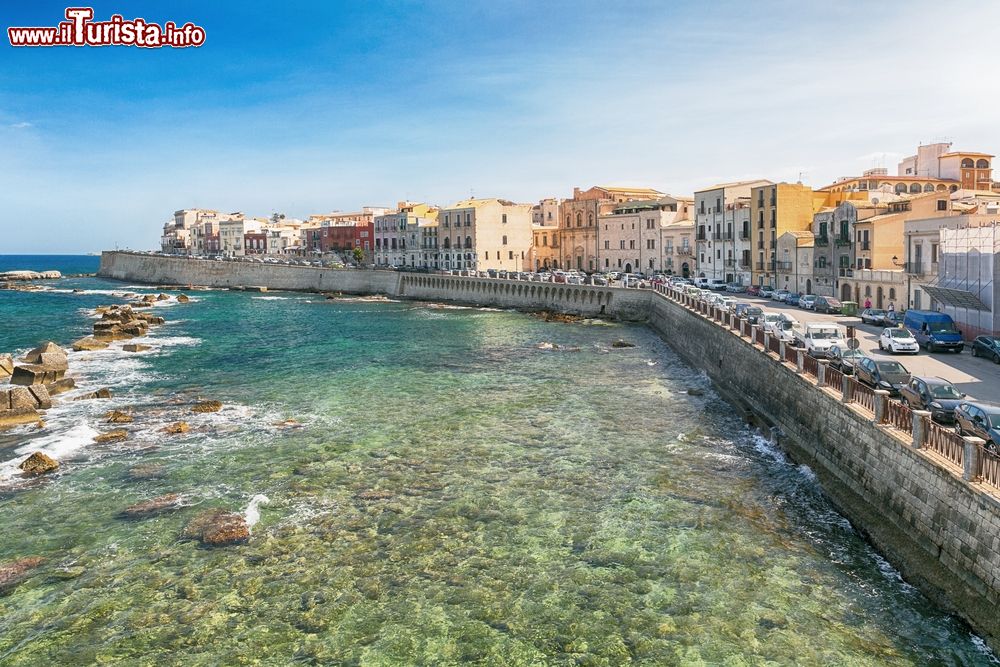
(579,238)
(678,251)
(794,262)
(484,234)
(232,230)
(401,237)
(631,236)
(722,220)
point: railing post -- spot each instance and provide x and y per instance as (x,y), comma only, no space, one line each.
(821,365)
(767,341)
(970,458)
(881,405)
(921,419)
(845,389)
(743,328)
(781,350)
(800,361)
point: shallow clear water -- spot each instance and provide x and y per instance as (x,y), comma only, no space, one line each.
(571,506)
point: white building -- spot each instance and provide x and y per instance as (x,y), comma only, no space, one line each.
(722,246)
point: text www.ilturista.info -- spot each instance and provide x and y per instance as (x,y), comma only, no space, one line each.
(80,30)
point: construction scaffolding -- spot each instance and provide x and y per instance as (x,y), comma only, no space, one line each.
(965,286)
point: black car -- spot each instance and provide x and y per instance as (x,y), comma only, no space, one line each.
(739,309)
(844,359)
(754,314)
(981,420)
(937,395)
(874,316)
(987,347)
(827,304)
(882,374)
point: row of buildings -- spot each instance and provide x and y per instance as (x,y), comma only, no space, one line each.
(917,239)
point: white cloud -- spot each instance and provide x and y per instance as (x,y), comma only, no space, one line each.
(23,125)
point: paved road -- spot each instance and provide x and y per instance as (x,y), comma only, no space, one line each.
(979,378)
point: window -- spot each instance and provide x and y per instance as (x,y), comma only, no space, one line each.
(510,254)
(621,244)
(579,219)
(934,253)
(590,219)
(631,244)
(607,245)
(503,218)
(505,239)
(942,205)
(468,219)
(892,294)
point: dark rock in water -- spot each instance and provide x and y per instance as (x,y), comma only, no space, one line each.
(695,392)
(136,347)
(147,471)
(38,463)
(100,393)
(118,435)
(183,298)
(146,508)
(621,343)
(118,417)
(15,572)
(217,528)
(162,297)
(207,406)
(176,428)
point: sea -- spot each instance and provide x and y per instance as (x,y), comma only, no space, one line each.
(446,486)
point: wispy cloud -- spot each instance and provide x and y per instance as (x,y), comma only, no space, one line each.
(23,125)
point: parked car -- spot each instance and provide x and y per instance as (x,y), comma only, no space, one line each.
(874,316)
(981,420)
(988,347)
(935,394)
(735,287)
(793,299)
(827,304)
(785,327)
(882,374)
(717,284)
(844,358)
(818,337)
(769,321)
(807,301)
(780,294)
(754,314)
(934,331)
(739,308)
(893,318)
(897,339)
(765,291)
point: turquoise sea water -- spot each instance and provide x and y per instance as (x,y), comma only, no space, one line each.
(456,495)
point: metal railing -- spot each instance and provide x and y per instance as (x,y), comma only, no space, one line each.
(774,345)
(989,468)
(834,379)
(945,442)
(810,365)
(899,416)
(863,395)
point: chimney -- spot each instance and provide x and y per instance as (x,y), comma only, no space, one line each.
(576,193)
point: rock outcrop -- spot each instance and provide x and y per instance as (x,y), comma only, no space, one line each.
(30,275)
(136,347)
(14,572)
(100,393)
(38,463)
(183,298)
(207,406)
(48,355)
(622,344)
(89,343)
(217,528)
(176,428)
(60,386)
(118,417)
(6,366)
(30,374)
(117,435)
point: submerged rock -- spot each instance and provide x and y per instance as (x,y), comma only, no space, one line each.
(118,435)
(207,406)
(146,508)
(15,572)
(183,298)
(147,471)
(695,392)
(118,417)
(100,393)
(38,463)
(622,343)
(217,528)
(176,428)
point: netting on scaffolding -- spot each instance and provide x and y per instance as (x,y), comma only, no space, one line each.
(964,286)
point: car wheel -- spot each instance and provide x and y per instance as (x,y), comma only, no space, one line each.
(996,358)
(880,348)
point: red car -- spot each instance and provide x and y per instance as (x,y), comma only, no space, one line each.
(753,290)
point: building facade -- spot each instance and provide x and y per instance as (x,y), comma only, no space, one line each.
(484,234)
(631,236)
(579,237)
(722,216)
(777,208)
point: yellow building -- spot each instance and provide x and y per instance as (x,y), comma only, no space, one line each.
(775,209)
(484,234)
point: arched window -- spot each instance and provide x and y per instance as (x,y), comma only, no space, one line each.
(822,262)
(982,164)
(914,188)
(900,188)
(579,219)
(929,187)
(892,294)
(967,163)
(590,219)
(941,187)
(868,290)
(468,241)
(568,219)
(954,188)
(447,242)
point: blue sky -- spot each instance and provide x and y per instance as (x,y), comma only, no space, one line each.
(332,105)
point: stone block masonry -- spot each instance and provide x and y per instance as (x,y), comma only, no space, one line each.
(941,532)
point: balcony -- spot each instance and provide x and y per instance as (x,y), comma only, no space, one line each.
(685,250)
(730,263)
(846,272)
(760,245)
(843,241)
(822,241)
(727,236)
(915,268)
(825,270)
(745,234)
(866,246)
(701,236)
(783,266)
(716,236)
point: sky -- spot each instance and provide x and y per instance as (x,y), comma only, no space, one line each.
(311,107)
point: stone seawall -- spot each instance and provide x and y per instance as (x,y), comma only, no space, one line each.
(941,532)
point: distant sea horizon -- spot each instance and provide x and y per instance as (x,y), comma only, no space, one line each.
(66,264)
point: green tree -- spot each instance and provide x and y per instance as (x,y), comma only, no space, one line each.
(359,255)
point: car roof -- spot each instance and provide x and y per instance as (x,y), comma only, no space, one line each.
(931,379)
(992,408)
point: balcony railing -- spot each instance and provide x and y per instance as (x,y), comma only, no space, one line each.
(701,236)
(822,241)
(765,266)
(843,241)
(783,266)
(846,272)
(684,251)
(760,245)
(744,234)
(915,268)
(730,263)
